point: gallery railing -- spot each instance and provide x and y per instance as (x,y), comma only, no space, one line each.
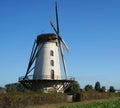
(45,77)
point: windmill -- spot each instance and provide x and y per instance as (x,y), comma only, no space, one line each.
(45,61)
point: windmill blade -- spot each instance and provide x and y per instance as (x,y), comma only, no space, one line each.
(53,27)
(34,50)
(59,37)
(64,66)
(57,22)
(33,57)
(57,31)
(31,69)
(60,40)
(64,44)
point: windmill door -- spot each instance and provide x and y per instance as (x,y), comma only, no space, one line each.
(52,74)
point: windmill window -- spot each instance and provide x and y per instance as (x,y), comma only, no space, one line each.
(52,74)
(52,62)
(51,53)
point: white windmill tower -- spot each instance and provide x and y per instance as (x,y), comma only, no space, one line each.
(45,56)
(47,64)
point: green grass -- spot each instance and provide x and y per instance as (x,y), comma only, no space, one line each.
(114,103)
(105,103)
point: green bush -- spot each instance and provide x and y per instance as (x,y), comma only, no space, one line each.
(89,88)
(92,95)
(21,100)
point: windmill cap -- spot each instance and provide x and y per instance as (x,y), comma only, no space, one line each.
(46,37)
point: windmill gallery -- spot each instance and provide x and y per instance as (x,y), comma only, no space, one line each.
(45,61)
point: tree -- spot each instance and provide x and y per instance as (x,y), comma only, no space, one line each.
(74,88)
(102,89)
(11,87)
(97,86)
(14,87)
(88,88)
(20,87)
(111,89)
(1,88)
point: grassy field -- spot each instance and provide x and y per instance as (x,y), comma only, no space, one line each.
(106,103)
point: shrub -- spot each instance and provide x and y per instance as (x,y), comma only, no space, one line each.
(89,88)
(111,89)
(97,86)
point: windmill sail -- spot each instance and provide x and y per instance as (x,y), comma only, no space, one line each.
(60,40)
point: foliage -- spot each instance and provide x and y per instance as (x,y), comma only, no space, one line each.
(74,88)
(105,104)
(20,87)
(11,87)
(1,88)
(14,87)
(89,88)
(102,89)
(97,86)
(92,95)
(21,100)
(111,89)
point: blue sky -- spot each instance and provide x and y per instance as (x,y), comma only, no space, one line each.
(91,29)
